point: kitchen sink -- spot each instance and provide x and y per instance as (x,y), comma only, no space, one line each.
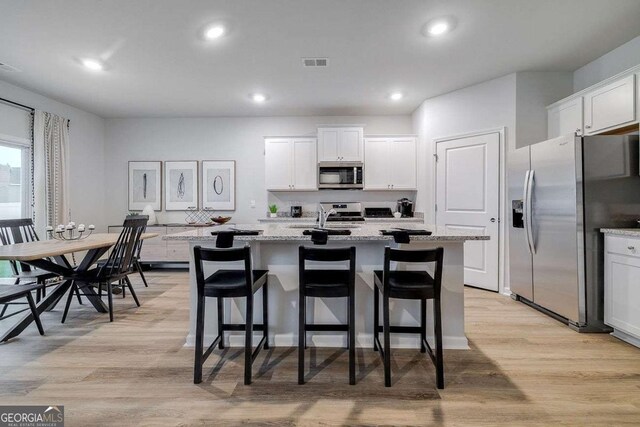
(329,226)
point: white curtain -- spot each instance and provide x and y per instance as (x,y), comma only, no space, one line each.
(51,151)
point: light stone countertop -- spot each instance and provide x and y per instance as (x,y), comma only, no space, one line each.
(625,232)
(293,232)
(312,220)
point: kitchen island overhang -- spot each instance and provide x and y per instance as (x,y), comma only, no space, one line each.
(276,249)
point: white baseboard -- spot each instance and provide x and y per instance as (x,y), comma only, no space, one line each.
(626,337)
(337,340)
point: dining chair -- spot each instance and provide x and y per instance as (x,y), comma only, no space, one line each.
(22,230)
(9,293)
(117,268)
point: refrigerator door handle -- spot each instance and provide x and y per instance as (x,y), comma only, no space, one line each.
(529,210)
(525,208)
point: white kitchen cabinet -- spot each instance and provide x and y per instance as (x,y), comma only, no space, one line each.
(622,287)
(565,118)
(610,106)
(340,144)
(291,164)
(390,163)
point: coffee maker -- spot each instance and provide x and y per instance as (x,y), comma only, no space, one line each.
(405,207)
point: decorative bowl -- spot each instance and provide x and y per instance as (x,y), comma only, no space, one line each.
(221,219)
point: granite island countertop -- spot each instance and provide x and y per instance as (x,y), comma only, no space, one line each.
(363,231)
(623,232)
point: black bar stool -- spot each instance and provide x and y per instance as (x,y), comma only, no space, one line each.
(230,284)
(327,284)
(416,285)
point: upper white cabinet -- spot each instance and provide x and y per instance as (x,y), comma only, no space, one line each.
(337,144)
(610,106)
(291,164)
(565,118)
(390,163)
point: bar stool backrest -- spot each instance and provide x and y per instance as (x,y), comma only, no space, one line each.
(14,231)
(415,256)
(202,255)
(326,255)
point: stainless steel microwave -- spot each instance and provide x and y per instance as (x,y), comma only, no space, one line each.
(340,175)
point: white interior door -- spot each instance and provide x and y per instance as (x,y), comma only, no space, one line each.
(467,199)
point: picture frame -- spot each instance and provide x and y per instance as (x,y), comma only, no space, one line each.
(145,185)
(219,185)
(180,185)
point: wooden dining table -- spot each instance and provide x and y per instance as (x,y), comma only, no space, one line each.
(50,255)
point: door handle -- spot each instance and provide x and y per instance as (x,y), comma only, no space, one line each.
(492,220)
(532,242)
(525,209)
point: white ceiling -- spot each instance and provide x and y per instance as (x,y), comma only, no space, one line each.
(157,65)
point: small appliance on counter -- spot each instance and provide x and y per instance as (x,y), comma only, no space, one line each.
(296,211)
(405,207)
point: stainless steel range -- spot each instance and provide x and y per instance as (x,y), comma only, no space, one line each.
(344,211)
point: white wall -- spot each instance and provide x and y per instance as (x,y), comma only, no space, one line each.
(86,153)
(609,64)
(239,139)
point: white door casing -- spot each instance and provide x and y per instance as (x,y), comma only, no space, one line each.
(468,198)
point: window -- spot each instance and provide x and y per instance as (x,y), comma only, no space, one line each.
(15,178)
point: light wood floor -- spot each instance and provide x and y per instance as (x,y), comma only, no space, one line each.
(523,369)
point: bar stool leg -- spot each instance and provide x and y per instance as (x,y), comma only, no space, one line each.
(34,312)
(220,322)
(352,340)
(301,336)
(438,332)
(387,341)
(423,325)
(197,366)
(376,316)
(265,313)
(248,341)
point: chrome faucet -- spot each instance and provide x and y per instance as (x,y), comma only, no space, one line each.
(323,215)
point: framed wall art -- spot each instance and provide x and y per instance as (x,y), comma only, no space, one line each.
(180,185)
(219,185)
(145,185)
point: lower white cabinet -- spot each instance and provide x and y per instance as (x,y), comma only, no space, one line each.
(390,163)
(156,250)
(291,164)
(622,287)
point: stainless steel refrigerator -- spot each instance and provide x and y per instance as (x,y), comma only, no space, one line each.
(562,191)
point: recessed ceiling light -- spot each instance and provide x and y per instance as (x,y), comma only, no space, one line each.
(93,64)
(214,32)
(259,97)
(396,96)
(439,26)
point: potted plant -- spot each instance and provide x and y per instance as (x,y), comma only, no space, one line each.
(273,209)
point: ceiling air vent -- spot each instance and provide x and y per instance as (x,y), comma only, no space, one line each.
(315,62)
(8,68)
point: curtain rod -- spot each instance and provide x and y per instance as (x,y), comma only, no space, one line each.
(26,107)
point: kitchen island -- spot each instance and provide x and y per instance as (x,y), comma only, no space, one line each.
(276,248)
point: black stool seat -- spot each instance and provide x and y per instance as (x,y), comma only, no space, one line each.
(232,283)
(326,283)
(407,284)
